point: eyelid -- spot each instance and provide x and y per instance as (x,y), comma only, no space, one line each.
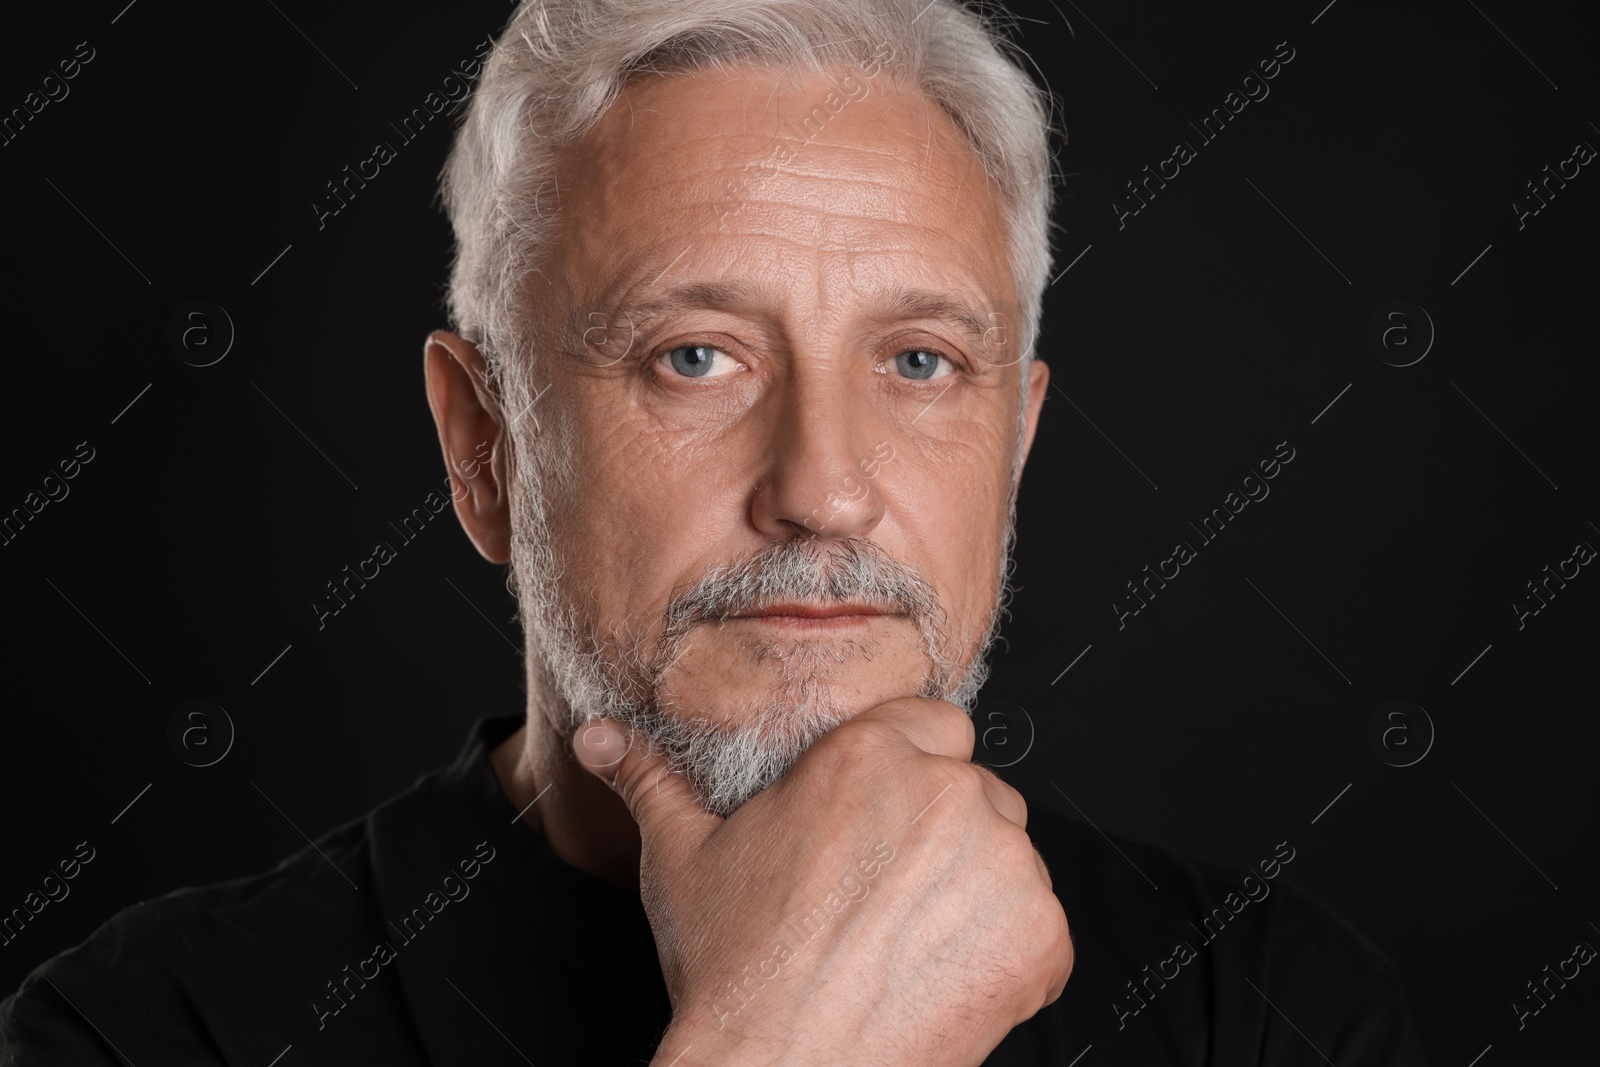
(953,345)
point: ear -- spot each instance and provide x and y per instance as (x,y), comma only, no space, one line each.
(1038,382)
(473,441)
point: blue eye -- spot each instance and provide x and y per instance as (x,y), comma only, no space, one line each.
(920,364)
(695,361)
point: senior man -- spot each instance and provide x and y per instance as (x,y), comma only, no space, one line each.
(745,301)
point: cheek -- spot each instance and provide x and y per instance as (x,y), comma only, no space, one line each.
(948,501)
(637,511)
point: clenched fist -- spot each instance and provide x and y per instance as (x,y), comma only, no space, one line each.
(880,904)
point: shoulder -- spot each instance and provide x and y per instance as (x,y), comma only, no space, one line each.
(157,982)
(1113,879)
(69,1009)
(1170,949)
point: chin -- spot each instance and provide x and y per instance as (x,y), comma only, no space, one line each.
(768,696)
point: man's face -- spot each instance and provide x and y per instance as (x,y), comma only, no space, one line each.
(777,372)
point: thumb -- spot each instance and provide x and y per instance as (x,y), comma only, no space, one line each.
(670,817)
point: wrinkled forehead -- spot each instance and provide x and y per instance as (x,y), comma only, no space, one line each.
(830,189)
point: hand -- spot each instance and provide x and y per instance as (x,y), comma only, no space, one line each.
(880,904)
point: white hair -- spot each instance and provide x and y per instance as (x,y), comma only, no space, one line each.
(561,63)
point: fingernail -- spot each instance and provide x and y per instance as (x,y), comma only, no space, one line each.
(599,746)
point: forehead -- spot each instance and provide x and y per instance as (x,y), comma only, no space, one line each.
(829,187)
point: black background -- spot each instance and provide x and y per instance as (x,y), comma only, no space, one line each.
(1225,717)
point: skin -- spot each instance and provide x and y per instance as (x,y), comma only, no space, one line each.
(657,477)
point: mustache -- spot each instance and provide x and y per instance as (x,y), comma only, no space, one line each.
(852,570)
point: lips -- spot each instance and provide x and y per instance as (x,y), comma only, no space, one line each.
(810,611)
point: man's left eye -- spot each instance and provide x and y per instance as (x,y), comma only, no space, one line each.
(920,364)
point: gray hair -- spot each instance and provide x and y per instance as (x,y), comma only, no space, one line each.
(561,63)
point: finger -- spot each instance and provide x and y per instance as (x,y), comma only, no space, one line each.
(1063,971)
(1006,800)
(671,820)
(935,726)
(1044,869)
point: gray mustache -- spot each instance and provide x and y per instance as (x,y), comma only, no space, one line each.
(853,570)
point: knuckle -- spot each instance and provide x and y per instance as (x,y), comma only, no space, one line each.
(949,722)
(940,795)
(1066,959)
(945,718)
(852,756)
(1049,947)
(861,733)
(1050,920)
(1044,870)
(961,722)
(1014,849)
(1003,791)
(847,748)
(636,779)
(626,785)
(965,781)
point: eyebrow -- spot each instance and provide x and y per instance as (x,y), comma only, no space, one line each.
(911,303)
(895,303)
(696,296)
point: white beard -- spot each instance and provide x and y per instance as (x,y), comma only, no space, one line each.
(728,763)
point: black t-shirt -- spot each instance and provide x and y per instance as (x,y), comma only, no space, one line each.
(441,929)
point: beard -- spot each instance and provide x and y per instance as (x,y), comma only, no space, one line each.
(729,759)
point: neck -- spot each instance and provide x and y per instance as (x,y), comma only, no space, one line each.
(582,820)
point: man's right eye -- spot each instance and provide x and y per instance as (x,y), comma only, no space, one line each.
(700,361)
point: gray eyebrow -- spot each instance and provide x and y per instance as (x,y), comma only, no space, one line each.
(895,302)
(914,303)
(718,296)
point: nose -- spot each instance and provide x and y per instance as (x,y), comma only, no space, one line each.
(820,462)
